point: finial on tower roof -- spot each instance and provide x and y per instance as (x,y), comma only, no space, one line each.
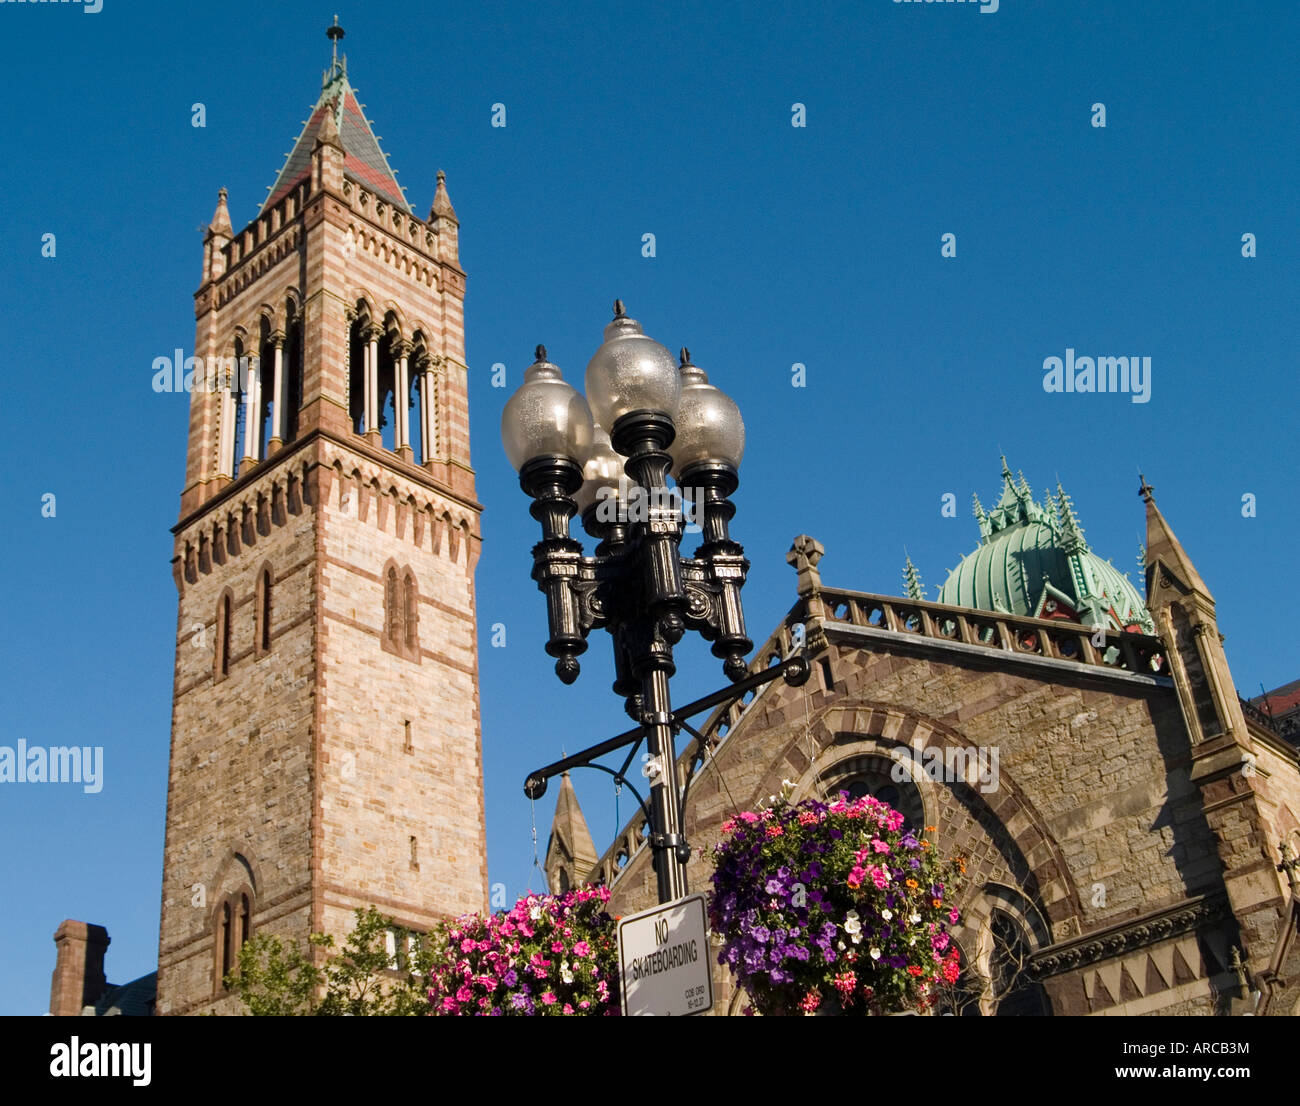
(539,354)
(1146,491)
(912,580)
(684,358)
(442,208)
(620,312)
(221,217)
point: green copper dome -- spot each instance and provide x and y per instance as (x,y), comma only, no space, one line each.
(1033,560)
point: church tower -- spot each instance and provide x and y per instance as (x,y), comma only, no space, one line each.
(325,748)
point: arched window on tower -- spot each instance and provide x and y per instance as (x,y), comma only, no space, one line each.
(234,409)
(415,396)
(224,934)
(221,645)
(357,373)
(233,926)
(410,612)
(401,612)
(392,607)
(262,612)
(292,369)
(386,385)
(266,386)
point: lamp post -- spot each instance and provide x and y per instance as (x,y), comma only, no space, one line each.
(608,458)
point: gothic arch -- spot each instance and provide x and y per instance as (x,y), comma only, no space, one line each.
(237,869)
(863,727)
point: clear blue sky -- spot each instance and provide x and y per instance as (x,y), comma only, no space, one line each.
(775,245)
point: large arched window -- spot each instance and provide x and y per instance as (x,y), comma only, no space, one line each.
(1000,980)
(1015,991)
(874,775)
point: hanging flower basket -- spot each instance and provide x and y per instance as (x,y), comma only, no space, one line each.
(550,954)
(834,908)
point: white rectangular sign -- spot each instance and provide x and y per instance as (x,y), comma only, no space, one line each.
(664,963)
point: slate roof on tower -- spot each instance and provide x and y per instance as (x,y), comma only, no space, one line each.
(363,160)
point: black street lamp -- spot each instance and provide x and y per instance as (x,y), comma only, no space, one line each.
(648,417)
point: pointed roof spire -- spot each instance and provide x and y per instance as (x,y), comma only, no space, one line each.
(570,849)
(1072,540)
(981,518)
(335,35)
(348,128)
(912,580)
(1016,504)
(442,208)
(221,217)
(1163,549)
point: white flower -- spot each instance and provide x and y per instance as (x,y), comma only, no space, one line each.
(886,914)
(915,919)
(565,973)
(840,946)
(875,954)
(852,924)
(535,913)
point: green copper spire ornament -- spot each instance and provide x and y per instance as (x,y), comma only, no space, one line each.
(1072,540)
(912,580)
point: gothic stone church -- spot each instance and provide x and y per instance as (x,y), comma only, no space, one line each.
(1134,850)
(1134,856)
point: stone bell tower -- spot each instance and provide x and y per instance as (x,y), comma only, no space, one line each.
(325,749)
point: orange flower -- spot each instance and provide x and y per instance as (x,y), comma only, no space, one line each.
(936,903)
(931,829)
(913,884)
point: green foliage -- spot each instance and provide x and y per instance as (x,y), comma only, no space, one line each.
(279,979)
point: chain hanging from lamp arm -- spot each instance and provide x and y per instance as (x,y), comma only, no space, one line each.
(608,458)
